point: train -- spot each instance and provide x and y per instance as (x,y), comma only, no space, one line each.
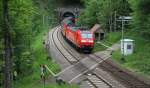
(83,40)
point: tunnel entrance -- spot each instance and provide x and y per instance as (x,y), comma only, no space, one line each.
(68,14)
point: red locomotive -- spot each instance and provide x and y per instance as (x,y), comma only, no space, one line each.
(83,40)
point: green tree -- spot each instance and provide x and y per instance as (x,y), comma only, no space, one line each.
(141,15)
(103,11)
(89,16)
(27,19)
(21,16)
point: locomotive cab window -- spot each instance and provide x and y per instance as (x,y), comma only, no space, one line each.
(86,35)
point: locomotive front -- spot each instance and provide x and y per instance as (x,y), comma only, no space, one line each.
(86,40)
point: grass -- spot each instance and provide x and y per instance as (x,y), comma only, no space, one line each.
(139,61)
(41,54)
(40,57)
(98,47)
(110,39)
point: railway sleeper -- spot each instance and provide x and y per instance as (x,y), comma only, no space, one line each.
(96,81)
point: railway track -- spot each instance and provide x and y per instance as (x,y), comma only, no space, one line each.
(98,82)
(122,75)
(93,79)
(63,51)
(62,48)
(69,48)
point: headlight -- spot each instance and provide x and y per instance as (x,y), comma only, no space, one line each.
(91,41)
(83,40)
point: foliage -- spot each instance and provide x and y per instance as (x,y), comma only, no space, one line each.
(112,37)
(109,40)
(89,16)
(40,56)
(27,20)
(139,61)
(141,15)
(101,11)
(21,16)
(98,47)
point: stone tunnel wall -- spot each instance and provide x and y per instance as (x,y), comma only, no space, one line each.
(62,11)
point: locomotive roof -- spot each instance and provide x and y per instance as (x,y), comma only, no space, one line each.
(67,21)
(74,28)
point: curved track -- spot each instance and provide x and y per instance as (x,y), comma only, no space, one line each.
(93,78)
(64,52)
(65,43)
(61,47)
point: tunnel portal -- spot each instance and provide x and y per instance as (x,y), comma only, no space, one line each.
(67,12)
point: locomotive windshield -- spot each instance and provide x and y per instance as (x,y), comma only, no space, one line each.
(86,35)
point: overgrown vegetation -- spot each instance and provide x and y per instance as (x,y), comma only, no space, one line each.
(21,14)
(141,14)
(109,40)
(21,18)
(30,21)
(27,20)
(103,12)
(139,61)
(41,56)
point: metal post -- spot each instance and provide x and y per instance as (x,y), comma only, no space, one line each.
(115,23)
(110,20)
(110,23)
(122,58)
